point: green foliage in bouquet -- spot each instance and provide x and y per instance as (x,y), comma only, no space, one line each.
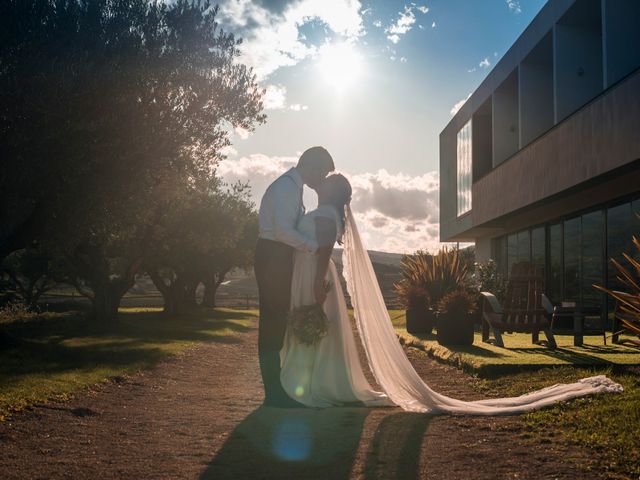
(308,323)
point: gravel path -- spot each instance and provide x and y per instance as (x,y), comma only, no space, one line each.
(199,416)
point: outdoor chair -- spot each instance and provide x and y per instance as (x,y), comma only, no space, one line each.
(526,308)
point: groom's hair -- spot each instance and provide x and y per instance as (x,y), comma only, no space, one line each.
(316,157)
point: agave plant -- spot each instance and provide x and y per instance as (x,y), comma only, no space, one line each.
(629,300)
(431,276)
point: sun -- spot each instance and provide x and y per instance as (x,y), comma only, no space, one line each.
(340,64)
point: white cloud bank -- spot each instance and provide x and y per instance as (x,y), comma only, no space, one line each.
(395,212)
(271,38)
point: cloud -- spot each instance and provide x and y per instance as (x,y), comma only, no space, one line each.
(402,25)
(485,63)
(271,37)
(377,23)
(514,6)
(395,212)
(459,105)
(423,9)
(433,25)
(398,196)
(274,97)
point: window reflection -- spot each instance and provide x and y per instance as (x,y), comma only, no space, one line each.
(464,169)
(573,254)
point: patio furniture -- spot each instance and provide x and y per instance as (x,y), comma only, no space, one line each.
(579,314)
(524,308)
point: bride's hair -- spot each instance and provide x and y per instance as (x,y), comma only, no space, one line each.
(338,191)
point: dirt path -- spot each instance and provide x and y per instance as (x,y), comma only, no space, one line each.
(199,416)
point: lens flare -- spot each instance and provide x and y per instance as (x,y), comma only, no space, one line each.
(292,440)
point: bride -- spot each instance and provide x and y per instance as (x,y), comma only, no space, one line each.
(329,373)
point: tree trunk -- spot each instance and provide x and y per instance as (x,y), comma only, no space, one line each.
(173,294)
(190,294)
(105,303)
(211,288)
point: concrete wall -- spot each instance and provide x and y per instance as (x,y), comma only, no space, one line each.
(599,138)
(595,43)
(483,249)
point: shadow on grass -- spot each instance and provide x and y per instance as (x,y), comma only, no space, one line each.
(319,444)
(58,343)
(570,356)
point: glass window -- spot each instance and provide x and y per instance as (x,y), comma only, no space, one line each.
(571,254)
(618,238)
(554,278)
(524,246)
(500,254)
(464,169)
(538,249)
(512,251)
(592,238)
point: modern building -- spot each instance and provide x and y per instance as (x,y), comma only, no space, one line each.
(542,162)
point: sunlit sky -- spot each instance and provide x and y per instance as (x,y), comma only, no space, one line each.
(374,82)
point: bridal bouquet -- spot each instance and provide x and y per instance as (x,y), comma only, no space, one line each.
(308,323)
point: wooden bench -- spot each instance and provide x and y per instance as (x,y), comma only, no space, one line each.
(524,308)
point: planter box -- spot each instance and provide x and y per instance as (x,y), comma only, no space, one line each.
(420,320)
(455,329)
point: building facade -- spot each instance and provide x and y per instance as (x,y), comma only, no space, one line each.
(542,163)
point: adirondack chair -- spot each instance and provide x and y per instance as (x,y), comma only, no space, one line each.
(526,308)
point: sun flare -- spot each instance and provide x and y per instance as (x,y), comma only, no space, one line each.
(340,64)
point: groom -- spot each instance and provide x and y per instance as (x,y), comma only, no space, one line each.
(280,209)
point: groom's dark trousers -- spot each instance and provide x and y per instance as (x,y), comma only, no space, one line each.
(274,268)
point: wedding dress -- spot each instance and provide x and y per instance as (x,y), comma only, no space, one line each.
(329,373)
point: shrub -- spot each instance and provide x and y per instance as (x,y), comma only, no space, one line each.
(629,300)
(487,278)
(458,303)
(428,277)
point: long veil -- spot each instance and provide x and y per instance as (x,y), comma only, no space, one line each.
(392,369)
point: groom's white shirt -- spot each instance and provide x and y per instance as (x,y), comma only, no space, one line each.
(281,208)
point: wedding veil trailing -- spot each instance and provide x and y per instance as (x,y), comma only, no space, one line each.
(392,369)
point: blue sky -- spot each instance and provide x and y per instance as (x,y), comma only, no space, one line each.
(374,82)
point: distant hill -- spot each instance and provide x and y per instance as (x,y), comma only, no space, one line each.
(386,265)
(384,258)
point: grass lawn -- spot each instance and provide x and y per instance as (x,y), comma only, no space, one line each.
(609,425)
(520,354)
(55,354)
